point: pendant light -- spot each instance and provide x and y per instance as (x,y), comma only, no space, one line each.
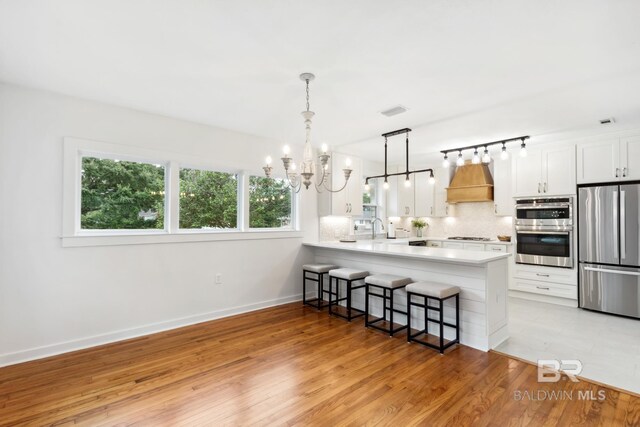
(486,158)
(504,154)
(476,158)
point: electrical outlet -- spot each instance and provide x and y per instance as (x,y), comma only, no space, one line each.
(218,279)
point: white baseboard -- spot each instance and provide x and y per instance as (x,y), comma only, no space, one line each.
(96,340)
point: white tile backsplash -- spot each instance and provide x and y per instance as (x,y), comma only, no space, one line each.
(471,219)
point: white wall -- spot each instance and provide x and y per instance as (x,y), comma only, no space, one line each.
(55,299)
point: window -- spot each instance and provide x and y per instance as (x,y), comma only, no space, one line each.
(208,200)
(119,195)
(269,203)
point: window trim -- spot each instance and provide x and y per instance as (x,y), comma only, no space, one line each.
(238,174)
(73,236)
(294,207)
(79,231)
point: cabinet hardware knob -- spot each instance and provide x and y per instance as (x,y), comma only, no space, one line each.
(544,288)
(617,172)
(544,187)
(624,172)
(542,275)
(538,188)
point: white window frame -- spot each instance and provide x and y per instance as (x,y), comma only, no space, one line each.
(239,207)
(73,236)
(294,206)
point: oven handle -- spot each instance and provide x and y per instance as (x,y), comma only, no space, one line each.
(543,232)
(550,205)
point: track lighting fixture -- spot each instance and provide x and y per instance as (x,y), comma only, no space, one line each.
(486,157)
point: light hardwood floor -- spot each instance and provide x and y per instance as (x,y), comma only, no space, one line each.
(291,365)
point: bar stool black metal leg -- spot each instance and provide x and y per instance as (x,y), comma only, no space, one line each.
(304,287)
(441,326)
(366,306)
(349,300)
(408,316)
(330,295)
(458,317)
(390,312)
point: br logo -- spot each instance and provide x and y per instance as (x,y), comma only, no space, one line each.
(551,370)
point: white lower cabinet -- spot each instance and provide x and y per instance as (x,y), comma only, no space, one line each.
(545,288)
(453,245)
(549,281)
(473,246)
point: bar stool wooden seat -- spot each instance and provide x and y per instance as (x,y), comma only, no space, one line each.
(348,276)
(315,273)
(384,286)
(431,292)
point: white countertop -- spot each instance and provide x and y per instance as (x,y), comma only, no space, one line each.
(400,248)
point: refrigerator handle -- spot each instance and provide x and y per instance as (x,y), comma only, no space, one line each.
(623,231)
(607,270)
(615,225)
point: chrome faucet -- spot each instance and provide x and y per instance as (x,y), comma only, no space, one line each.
(373,227)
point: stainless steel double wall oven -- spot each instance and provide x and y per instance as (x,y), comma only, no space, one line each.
(544,231)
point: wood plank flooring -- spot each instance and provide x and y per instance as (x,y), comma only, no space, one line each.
(291,365)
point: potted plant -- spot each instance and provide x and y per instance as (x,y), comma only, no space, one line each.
(419,224)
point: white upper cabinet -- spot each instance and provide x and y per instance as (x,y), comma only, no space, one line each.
(406,196)
(347,202)
(606,160)
(630,158)
(425,195)
(545,171)
(526,173)
(440,206)
(599,161)
(559,170)
(502,194)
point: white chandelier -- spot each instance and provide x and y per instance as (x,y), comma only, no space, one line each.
(308,167)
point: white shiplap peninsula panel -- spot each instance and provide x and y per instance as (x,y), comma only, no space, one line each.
(483,305)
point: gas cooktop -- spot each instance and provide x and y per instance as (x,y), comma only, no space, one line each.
(477,239)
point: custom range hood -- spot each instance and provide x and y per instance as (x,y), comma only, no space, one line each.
(471,183)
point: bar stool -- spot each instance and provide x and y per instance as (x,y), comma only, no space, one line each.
(430,292)
(347,275)
(315,273)
(388,284)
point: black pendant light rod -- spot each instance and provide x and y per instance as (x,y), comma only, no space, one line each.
(407,172)
(486,144)
(386,175)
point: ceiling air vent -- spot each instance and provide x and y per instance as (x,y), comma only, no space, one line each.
(394,111)
(608,121)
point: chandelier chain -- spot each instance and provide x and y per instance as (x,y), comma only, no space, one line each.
(307,80)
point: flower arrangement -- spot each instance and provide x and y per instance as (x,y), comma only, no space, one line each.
(419,224)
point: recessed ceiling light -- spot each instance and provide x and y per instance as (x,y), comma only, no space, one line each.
(394,111)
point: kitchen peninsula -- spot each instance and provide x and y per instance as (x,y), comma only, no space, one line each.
(481,276)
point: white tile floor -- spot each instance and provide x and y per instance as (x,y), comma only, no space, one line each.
(608,346)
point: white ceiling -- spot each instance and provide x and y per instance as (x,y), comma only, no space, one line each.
(469,71)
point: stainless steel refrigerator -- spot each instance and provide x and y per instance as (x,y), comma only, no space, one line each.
(609,249)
